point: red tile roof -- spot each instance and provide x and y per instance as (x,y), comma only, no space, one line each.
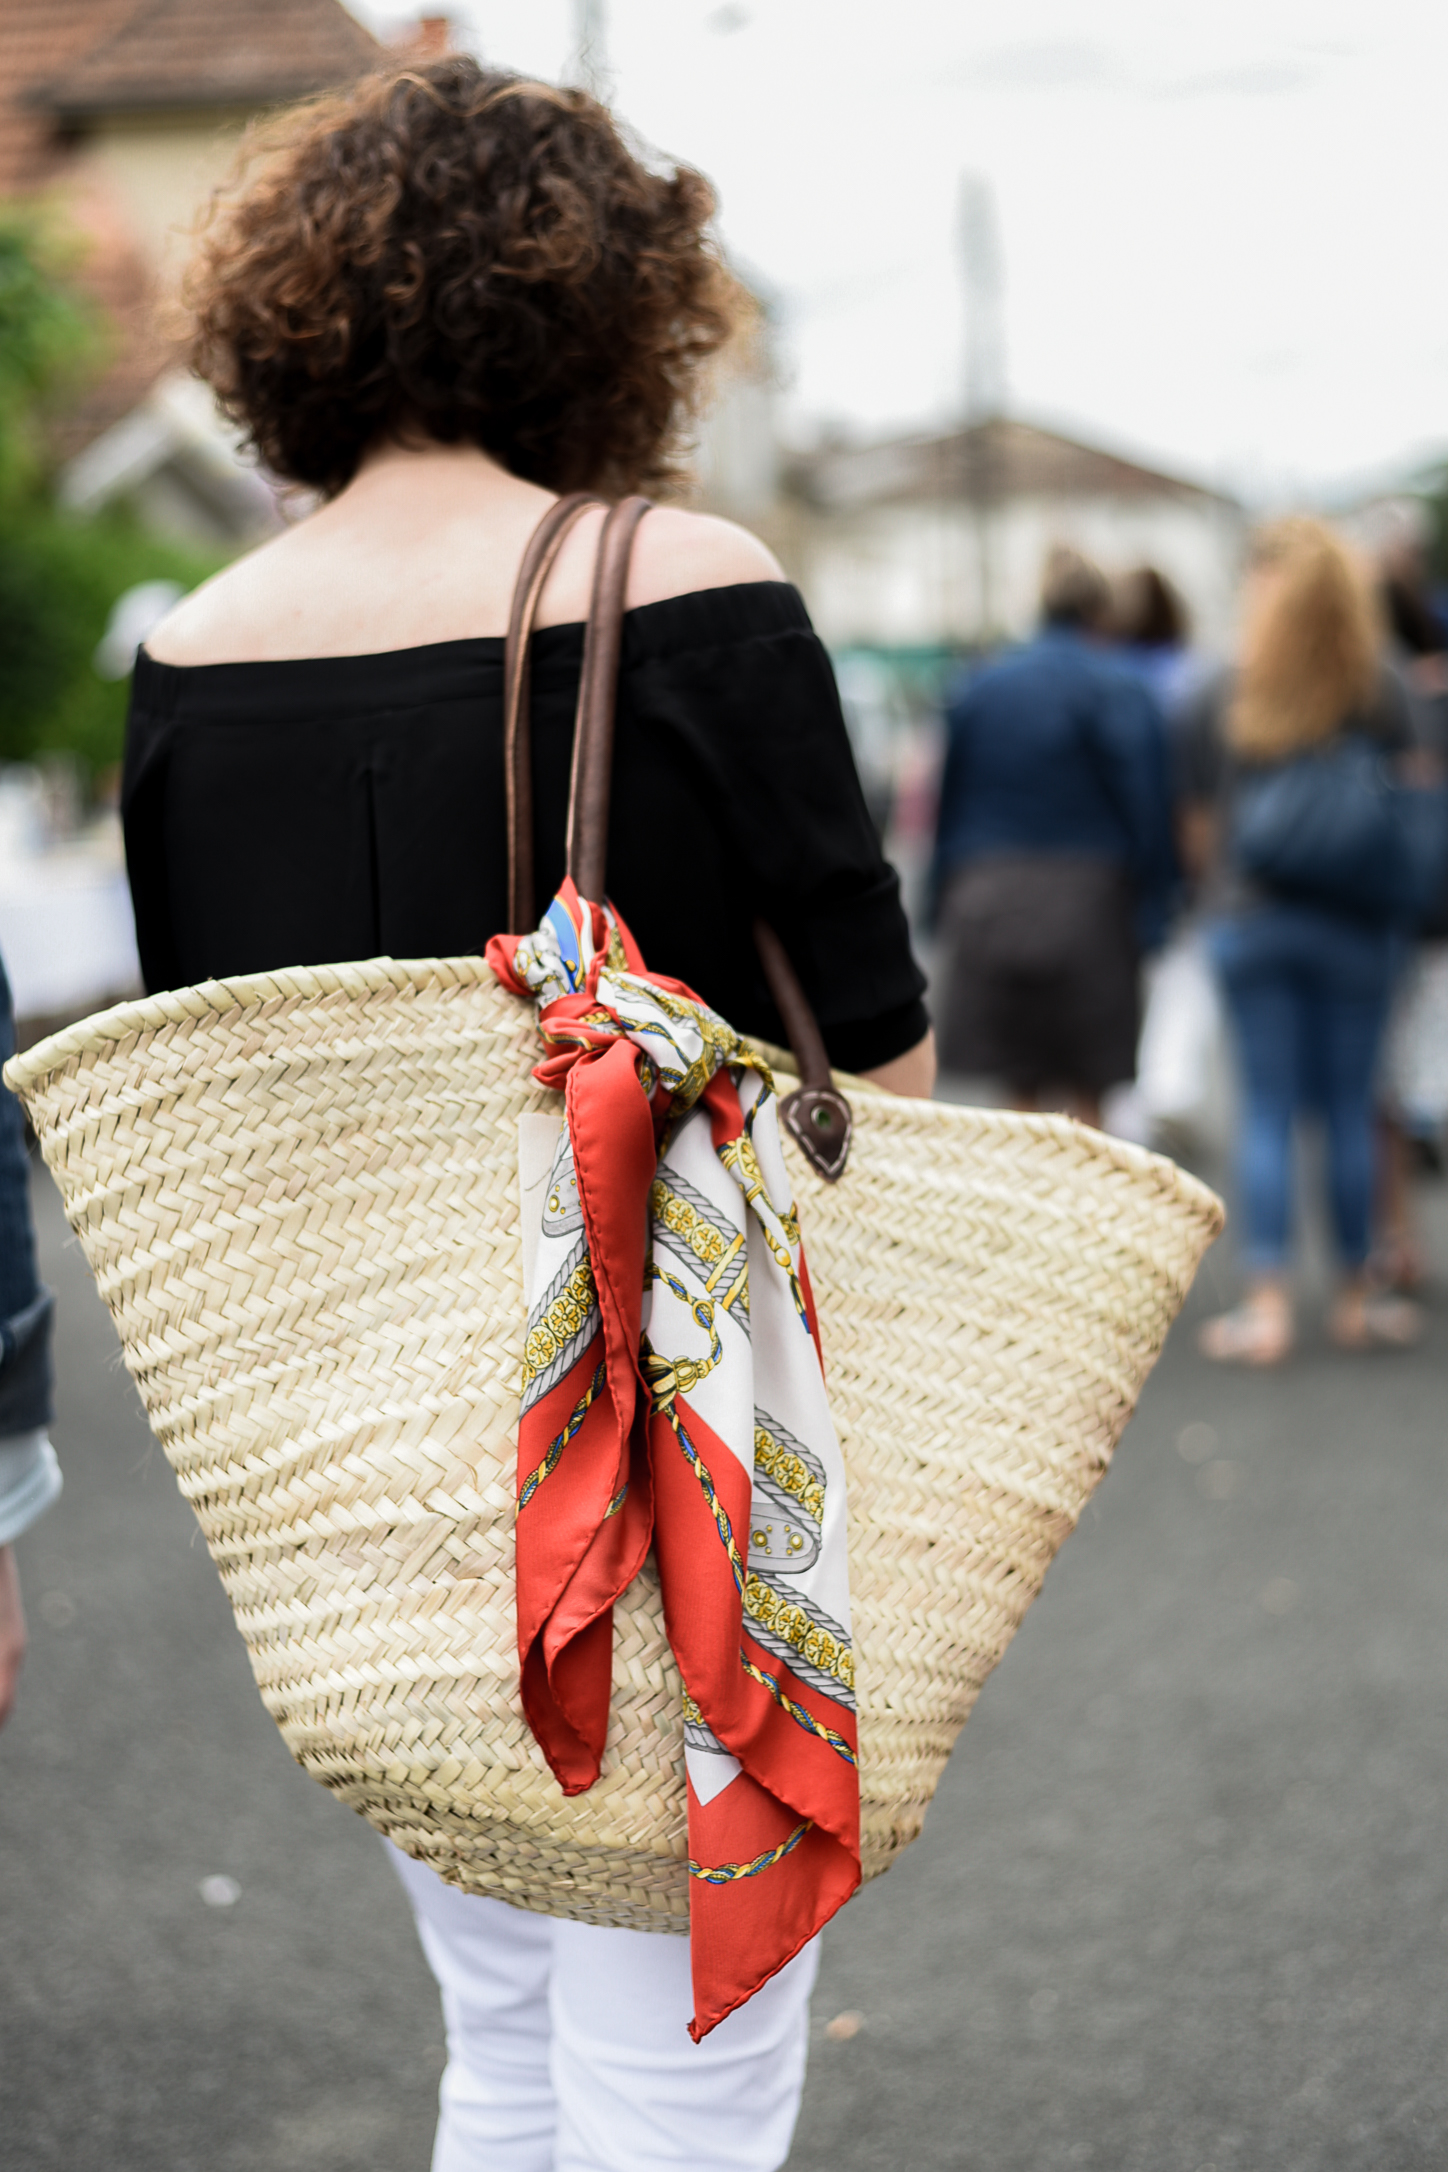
(39,41)
(193,53)
(74,58)
(428,37)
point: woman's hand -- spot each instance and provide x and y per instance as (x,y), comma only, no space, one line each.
(1198,838)
(12,1631)
(912,1074)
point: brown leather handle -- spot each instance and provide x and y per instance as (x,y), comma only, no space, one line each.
(817,1113)
(544,545)
(801,1029)
(591,786)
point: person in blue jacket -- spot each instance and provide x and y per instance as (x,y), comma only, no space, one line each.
(1054,864)
(29,1473)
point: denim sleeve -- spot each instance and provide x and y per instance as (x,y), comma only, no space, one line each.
(25,1306)
(1134,752)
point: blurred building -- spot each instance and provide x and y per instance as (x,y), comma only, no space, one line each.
(912,550)
(924,543)
(121,118)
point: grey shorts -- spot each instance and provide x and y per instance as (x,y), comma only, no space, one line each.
(1038,983)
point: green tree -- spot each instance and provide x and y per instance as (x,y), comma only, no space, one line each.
(60,575)
(46,340)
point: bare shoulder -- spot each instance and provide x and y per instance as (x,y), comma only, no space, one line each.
(412,569)
(677,552)
(233,613)
(674,554)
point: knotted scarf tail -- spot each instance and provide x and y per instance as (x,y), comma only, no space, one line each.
(775,1850)
(762,1883)
(584,1511)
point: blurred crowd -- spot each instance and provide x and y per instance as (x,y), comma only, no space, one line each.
(1135,842)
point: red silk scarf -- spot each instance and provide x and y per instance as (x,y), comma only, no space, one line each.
(673,1396)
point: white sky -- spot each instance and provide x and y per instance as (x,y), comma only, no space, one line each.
(1222,225)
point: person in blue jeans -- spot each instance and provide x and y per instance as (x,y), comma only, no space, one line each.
(29,1473)
(1308,995)
(1307,984)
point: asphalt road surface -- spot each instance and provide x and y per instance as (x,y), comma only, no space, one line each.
(1181,1905)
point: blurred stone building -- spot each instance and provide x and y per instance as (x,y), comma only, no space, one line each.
(920,543)
(912,552)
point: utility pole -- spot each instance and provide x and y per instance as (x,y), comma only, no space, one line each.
(982,272)
(590,65)
(983,282)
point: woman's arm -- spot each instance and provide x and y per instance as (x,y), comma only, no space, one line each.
(1197,827)
(912,1074)
(12,1631)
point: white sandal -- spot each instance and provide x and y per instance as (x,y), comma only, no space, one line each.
(1248,1335)
(1385,1323)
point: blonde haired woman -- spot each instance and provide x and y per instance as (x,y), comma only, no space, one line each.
(1307,967)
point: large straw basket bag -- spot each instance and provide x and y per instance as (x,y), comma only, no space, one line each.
(298,1194)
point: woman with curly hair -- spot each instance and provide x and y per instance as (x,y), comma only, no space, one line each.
(437,301)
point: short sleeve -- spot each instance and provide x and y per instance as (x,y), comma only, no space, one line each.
(744,700)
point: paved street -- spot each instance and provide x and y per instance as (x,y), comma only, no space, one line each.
(1182,1903)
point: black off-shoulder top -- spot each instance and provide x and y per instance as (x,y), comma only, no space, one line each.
(310,812)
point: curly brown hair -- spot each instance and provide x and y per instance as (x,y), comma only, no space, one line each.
(456,254)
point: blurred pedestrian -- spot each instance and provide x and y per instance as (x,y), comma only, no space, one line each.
(1303,872)
(446,297)
(1054,862)
(1150,625)
(1413,1090)
(29,1473)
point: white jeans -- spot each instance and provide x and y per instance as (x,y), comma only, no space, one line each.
(568,2048)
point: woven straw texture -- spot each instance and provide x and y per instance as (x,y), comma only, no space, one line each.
(298,1193)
